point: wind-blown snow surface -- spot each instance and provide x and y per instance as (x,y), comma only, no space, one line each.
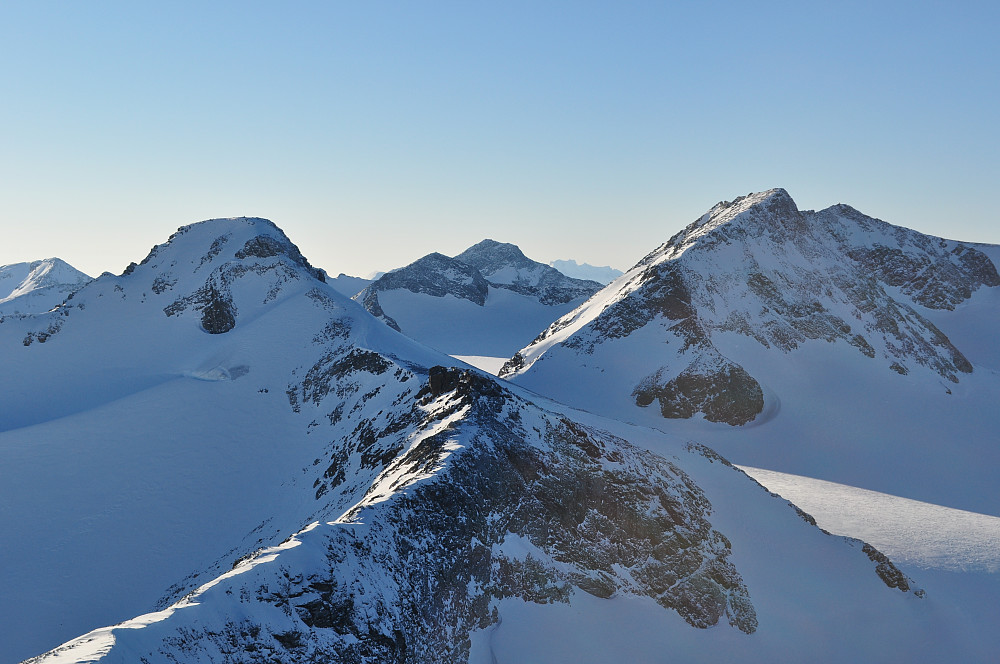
(845,349)
(488,364)
(229,443)
(35,287)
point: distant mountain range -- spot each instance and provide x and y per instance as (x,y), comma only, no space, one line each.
(603,274)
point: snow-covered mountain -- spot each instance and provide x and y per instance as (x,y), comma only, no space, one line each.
(489,300)
(27,288)
(603,274)
(859,351)
(220,437)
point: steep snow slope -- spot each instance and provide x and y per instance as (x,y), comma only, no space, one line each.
(806,328)
(218,420)
(489,300)
(37,286)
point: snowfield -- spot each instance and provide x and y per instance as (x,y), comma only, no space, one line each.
(914,534)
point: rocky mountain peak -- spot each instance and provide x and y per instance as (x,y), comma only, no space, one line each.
(761,268)
(216,241)
(490,256)
(505,266)
(771,214)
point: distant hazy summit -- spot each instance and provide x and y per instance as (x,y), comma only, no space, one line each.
(603,274)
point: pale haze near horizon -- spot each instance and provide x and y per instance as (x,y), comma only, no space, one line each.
(375,134)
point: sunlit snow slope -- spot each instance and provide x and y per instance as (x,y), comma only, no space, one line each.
(34,287)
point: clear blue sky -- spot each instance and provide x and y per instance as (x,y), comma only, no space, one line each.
(376,132)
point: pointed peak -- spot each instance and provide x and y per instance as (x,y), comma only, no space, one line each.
(489,256)
(490,247)
(768,212)
(776,200)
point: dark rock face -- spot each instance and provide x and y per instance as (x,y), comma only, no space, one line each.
(935,273)
(436,275)
(721,390)
(217,314)
(369,300)
(610,519)
(886,570)
(266,246)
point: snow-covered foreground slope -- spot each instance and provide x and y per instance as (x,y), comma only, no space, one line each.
(301,599)
(489,300)
(219,437)
(27,288)
(825,344)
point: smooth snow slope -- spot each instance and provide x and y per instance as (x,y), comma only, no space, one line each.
(916,535)
(506,322)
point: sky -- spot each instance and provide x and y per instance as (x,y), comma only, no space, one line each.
(375,133)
